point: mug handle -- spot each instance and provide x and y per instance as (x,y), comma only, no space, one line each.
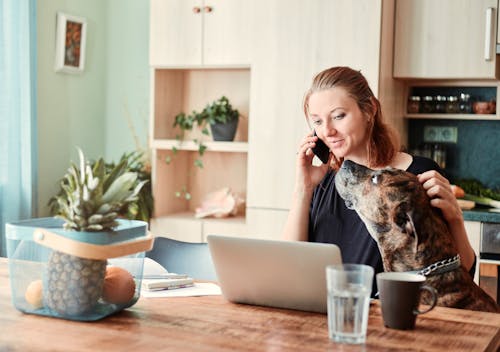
(434,295)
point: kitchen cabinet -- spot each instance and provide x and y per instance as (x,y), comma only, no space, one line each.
(261,162)
(324,35)
(445,39)
(224,163)
(473,229)
(199,32)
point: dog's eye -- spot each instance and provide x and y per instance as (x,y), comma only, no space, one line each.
(375,179)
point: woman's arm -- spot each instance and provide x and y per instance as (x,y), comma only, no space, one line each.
(306,179)
(439,190)
(297,223)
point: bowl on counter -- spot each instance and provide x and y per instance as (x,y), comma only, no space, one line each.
(484,107)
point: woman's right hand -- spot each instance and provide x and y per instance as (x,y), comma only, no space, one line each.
(309,176)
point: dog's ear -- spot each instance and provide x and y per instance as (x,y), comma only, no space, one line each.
(403,218)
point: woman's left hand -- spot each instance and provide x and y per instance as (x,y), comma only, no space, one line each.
(438,189)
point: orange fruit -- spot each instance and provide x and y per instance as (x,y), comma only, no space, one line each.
(119,285)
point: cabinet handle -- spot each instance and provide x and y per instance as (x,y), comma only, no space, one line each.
(488,35)
(196,9)
(208,9)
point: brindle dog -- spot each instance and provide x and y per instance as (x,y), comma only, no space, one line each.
(410,233)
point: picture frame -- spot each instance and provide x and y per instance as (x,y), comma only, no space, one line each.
(71,37)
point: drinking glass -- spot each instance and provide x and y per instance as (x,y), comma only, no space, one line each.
(348,287)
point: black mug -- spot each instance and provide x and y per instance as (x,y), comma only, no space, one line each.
(400,297)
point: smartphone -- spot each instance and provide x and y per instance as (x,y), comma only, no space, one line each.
(321,150)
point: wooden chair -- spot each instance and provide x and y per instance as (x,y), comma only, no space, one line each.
(180,257)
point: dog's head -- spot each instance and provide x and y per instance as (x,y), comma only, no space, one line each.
(389,201)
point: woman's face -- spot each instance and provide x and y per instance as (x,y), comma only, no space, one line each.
(339,122)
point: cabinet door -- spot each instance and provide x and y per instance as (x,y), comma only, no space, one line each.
(473,229)
(175,32)
(445,39)
(226,34)
(293,40)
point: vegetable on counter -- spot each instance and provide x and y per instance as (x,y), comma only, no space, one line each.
(458,191)
(477,192)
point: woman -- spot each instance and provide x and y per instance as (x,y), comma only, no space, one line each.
(347,117)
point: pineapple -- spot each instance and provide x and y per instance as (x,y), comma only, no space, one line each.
(90,202)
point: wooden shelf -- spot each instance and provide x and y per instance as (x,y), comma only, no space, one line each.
(169,144)
(453,116)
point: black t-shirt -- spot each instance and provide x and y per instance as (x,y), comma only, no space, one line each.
(331,222)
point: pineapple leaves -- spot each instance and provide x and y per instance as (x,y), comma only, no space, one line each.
(92,196)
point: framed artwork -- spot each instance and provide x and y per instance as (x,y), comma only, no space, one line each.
(71,32)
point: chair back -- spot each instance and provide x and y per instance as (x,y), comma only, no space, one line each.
(180,257)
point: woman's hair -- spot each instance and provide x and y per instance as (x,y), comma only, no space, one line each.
(383,142)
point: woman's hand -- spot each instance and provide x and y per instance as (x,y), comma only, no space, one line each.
(308,176)
(439,190)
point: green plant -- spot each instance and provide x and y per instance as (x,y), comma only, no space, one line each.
(139,207)
(219,111)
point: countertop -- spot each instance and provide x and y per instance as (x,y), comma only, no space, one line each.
(482,215)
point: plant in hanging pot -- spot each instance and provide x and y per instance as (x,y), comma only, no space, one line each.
(77,250)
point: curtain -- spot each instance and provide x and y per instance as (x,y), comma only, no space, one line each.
(17,112)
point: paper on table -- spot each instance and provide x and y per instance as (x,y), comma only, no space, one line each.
(199,289)
(152,268)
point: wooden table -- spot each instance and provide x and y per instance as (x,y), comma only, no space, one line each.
(212,324)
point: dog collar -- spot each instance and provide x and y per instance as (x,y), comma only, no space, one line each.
(440,267)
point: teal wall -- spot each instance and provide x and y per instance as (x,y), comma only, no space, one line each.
(87,110)
(127,76)
(476,153)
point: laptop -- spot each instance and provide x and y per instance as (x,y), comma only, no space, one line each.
(282,274)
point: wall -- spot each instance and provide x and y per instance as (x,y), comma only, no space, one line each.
(127,76)
(476,153)
(84,110)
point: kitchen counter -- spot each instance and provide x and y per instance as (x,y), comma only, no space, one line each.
(482,215)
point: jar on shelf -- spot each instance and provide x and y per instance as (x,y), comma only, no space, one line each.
(465,103)
(413,104)
(439,104)
(427,151)
(427,106)
(452,106)
(439,155)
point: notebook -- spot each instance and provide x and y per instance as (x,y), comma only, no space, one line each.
(282,274)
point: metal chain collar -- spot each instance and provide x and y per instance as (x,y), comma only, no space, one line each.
(442,266)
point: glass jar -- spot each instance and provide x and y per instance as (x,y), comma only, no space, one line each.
(452,106)
(427,106)
(439,155)
(413,104)
(439,104)
(465,104)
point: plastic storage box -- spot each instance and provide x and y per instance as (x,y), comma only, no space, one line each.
(75,275)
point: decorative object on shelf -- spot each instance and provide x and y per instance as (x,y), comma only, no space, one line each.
(136,162)
(484,107)
(77,247)
(223,121)
(70,43)
(220,204)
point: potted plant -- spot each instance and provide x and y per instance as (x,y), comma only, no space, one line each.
(76,249)
(222,119)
